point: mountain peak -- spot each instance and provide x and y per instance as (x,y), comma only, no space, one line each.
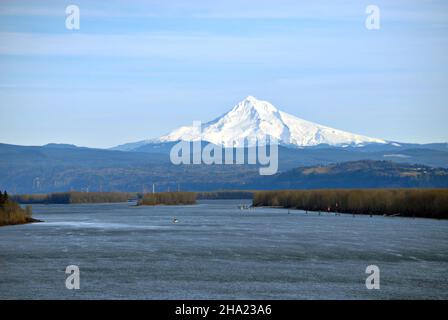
(252,120)
(253,100)
(250,98)
(252,103)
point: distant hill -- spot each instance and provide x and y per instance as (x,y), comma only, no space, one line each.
(60,146)
(361,174)
(65,168)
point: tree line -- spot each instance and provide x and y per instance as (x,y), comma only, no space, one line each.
(108,197)
(4,197)
(75,197)
(168,198)
(427,203)
(225,195)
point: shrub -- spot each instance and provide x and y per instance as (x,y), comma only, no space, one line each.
(12,213)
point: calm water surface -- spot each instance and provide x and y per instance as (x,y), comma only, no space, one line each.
(217,251)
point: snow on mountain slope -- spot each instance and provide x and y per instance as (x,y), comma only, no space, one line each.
(132,146)
(254,119)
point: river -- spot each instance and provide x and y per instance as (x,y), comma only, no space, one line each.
(217,251)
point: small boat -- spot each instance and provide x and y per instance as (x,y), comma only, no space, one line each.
(394,215)
(175,220)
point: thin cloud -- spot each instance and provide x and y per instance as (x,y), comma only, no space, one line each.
(322,11)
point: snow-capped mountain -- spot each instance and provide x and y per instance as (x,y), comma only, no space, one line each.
(253,120)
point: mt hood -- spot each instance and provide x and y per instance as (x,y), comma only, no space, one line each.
(253,120)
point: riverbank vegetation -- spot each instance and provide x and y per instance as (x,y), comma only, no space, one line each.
(425,203)
(76,197)
(225,195)
(11,212)
(111,197)
(168,198)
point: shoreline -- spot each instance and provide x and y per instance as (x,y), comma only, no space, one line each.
(411,203)
(349,213)
(28,221)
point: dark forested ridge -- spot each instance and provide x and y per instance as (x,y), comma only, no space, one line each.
(362,174)
(63,168)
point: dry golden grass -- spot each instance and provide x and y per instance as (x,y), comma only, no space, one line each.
(168,198)
(428,203)
(76,197)
(317,170)
(11,213)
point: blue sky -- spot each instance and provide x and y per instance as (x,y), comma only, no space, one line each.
(137,69)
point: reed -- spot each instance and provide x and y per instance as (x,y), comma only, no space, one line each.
(425,203)
(11,212)
(75,197)
(225,195)
(168,198)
